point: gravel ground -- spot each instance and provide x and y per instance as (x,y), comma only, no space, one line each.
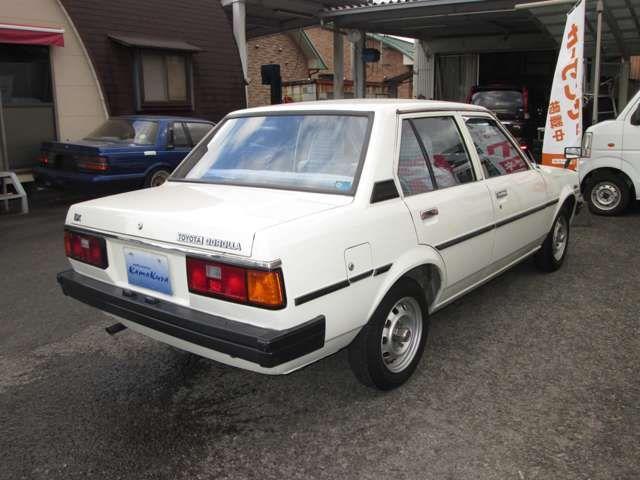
(531,376)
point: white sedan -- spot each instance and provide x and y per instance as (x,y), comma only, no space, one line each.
(291,232)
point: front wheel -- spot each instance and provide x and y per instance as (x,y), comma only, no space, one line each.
(607,195)
(387,350)
(554,249)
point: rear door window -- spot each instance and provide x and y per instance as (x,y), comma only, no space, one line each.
(432,155)
(198,130)
(445,150)
(413,173)
(180,137)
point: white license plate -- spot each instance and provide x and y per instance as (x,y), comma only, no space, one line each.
(148,270)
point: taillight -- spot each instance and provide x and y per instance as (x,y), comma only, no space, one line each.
(261,288)
(93,164)
(86,248)
(44,159)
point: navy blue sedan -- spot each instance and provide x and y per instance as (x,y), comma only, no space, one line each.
(124,152)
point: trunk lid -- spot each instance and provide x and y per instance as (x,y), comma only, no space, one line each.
(219,218)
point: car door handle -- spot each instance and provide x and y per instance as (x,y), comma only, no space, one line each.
(501,193)
(426,214)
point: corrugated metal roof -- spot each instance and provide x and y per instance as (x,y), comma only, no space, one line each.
(402,46)
(265,17)
(461,21)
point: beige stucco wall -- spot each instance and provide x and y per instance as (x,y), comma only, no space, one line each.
(79,104)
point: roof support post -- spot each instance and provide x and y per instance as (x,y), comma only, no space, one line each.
(239,10)
(338,64)
(623,84)
(358,39)
(596,63)
(424,71)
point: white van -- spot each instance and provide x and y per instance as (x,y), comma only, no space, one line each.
(610,164)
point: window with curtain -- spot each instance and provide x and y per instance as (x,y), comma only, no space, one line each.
(165,79)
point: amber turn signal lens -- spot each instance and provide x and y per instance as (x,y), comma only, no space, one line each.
(265,288)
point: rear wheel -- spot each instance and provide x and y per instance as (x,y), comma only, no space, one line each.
(387,350)
(607,194)
(157,177)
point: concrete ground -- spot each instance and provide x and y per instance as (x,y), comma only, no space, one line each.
(532,376)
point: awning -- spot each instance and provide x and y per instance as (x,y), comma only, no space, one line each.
(30,35)
(154,43)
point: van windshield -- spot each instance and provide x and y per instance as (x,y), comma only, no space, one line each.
(316,152)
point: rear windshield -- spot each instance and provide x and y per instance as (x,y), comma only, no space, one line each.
(499,101)
(126,131)
(298,152)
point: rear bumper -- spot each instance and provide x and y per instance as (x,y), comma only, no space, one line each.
(84,181)
(265,347)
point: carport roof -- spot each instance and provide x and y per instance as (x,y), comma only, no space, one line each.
(467,25)
(273,16)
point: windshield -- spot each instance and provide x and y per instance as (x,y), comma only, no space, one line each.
(126,131)
(500,101)
(299,152)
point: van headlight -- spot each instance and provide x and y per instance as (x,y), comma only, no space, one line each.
(586,145)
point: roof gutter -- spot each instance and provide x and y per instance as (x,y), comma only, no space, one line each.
(543,3)
(342,11)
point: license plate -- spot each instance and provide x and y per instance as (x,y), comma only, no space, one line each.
(148,270)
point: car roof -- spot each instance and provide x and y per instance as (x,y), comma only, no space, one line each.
(382,105)
(171,118)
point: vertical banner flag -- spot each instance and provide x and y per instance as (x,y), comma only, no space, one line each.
(564,117)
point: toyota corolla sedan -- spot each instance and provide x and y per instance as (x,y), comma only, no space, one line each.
(291,232)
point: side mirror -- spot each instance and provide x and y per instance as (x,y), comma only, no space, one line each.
(635,118)
(571,153)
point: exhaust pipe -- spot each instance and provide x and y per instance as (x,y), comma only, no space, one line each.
(115,328)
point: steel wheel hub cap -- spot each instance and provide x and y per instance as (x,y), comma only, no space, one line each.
(606,196)
(401,334)
(158,179)
(560,231)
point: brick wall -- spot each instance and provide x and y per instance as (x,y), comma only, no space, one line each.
(217,74)
(390,64)
(280,49)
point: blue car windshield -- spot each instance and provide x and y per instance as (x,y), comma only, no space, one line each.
(298,152)
(126,131)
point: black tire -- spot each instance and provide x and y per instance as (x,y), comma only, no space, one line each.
(545,258)
(603,187)
(365,352)
(153,177)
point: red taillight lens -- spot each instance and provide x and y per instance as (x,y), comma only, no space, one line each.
(86,248)
(93,164)
(44,159)
(254,287)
